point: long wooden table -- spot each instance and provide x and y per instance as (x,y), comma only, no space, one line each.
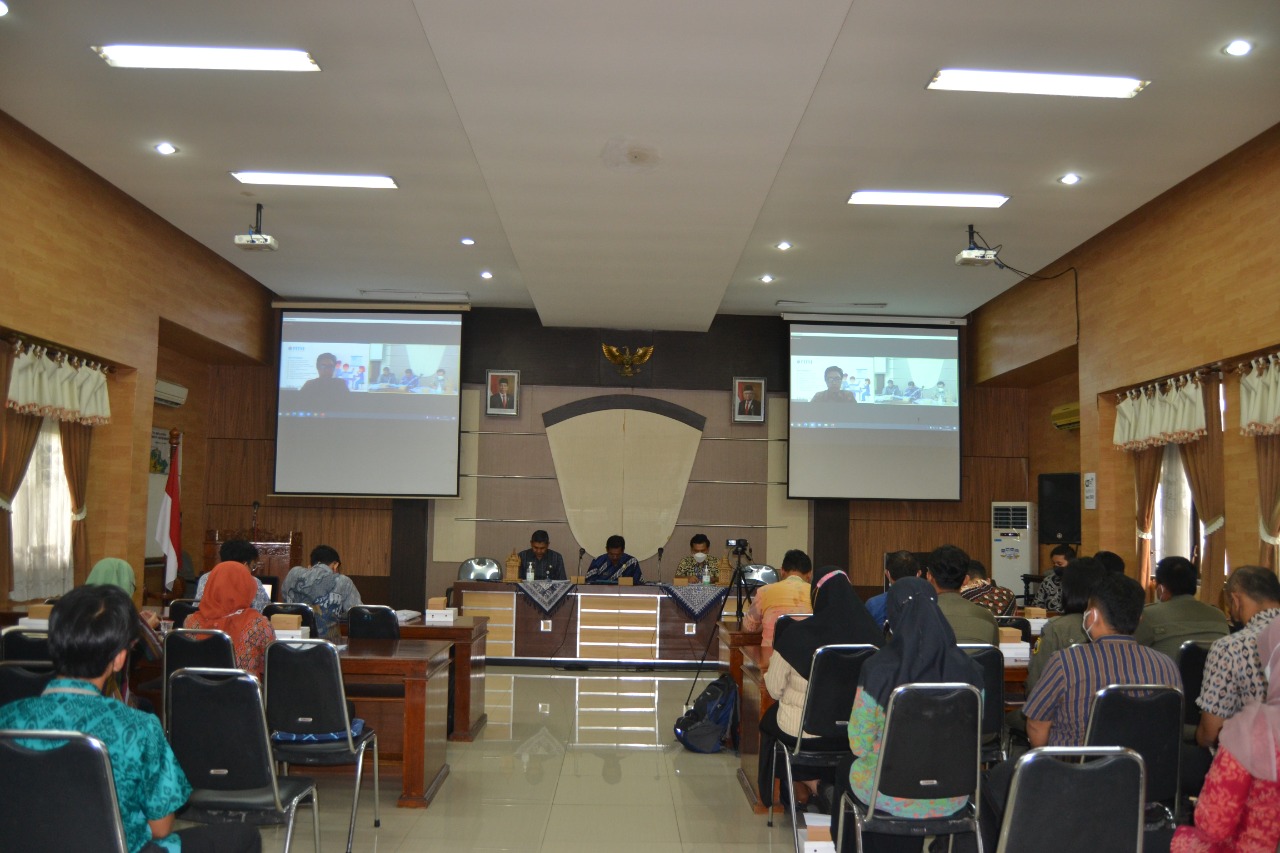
(412,731)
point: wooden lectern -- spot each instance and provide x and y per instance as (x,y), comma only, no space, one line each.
(277,553)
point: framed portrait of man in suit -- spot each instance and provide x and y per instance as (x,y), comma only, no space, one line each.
(502,392)
(748,400)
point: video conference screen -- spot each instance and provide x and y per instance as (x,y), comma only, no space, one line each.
(368,403)
(875,412)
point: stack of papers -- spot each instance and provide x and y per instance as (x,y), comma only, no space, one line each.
(1016,654)
(1037,625)
(33,624)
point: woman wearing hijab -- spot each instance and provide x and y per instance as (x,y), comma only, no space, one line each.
(839,618)
(226,606)
(1239,806)
(112,571)
(922,650)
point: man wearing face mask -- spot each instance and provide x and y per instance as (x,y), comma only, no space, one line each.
(698,560)
(1049,593)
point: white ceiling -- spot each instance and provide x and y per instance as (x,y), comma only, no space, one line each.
(632,164)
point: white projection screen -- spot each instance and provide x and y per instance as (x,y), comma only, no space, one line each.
(875,412)
(368,403)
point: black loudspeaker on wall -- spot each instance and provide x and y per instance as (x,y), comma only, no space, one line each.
(1059,509)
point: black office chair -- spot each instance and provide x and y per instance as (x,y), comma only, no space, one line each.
(1191,657)
(991,659)
(1021,623)
(195,647)
(1146,718)
(18,643)
(23,679)
(1102,784)
(372,622)
(931,749)
(306,611)
(37,784)
(180,609)
(480,569)
(305,697)
(208,709)
(833,681)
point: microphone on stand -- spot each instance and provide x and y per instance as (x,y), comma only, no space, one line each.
(581,551)
(256,506)
(660,550)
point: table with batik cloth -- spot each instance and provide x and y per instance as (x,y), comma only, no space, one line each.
(562,622)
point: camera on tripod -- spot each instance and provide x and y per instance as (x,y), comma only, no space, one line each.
(739,546)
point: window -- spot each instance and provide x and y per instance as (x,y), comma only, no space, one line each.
(1176,532)
(42,522)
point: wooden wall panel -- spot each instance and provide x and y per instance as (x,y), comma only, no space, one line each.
(868,540)
(986,428)
(247,402)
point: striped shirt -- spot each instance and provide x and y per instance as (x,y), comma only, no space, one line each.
(1064,694)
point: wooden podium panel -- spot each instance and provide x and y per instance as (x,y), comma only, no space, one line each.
(277,553)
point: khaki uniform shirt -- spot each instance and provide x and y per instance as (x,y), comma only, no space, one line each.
(1165,626)
(972,623)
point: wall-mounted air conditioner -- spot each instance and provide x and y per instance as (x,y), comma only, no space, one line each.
(170,393)
(1014,551)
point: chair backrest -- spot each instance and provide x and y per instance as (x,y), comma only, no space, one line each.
(271,583)
(991,659)
(197,647)
(833,682)
(37,783)
(22,679)
(1021,623)
(1104,782)
(305,693)
(480,569)
(759,574)
(1146,718)
(208,709)
(372,622)
(24,644)
(1191,657)
(181,608)
(304,610)
(932,743)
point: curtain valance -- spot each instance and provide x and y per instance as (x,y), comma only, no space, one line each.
(1170,412)
(1260,396)
(46,383)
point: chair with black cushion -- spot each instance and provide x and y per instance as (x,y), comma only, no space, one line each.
(1191,657)
(833,681)
(196,647)
(991,659)
(22,679)
(37,784)
(1104,783)
(18,643)
(218,732)
(372,622)
(180,609)
(306,699)
(304,610)
(931,749)
(1146,718)
(1021,623)
(480,569)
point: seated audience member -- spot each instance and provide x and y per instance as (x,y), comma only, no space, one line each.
(921,650)
(228,606)
(548,565)
(1058,708)
(839,618)
(409,379)
(899,565)
(1062,632)
(971,623)
(112,571)
(239,551)
(698,560)
(90,631)
(386,377)
(984,592)
(1111,561)
(1239,806)
(614,563)
(1049,593)
(890,389)
(324,588)
(790,594)
(1233,672)
(1176,615)
(911,392)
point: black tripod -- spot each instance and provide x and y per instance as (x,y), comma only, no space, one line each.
(743,592)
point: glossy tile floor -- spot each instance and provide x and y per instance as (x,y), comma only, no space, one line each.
(568,762)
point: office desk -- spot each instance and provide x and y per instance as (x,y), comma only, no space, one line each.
(413,730)
(732,641)
(755,701)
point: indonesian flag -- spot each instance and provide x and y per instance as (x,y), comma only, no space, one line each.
(169,526)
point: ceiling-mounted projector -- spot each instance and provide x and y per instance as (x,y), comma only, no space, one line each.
(973,257)
(265,243)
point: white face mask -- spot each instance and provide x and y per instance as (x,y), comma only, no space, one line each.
(1084,624)
(699,557)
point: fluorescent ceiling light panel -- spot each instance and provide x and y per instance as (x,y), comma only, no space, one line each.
(915,199)
(1035,83)
(206,58)
(302,179)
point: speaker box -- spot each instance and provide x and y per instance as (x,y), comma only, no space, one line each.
(1059,509)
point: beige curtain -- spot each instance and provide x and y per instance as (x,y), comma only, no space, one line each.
(1203,461)
(1268,450)
(1146,479)
(75,462)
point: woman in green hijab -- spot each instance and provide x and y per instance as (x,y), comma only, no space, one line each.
(112,571)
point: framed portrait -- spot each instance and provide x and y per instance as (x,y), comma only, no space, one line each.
(502,389)
(748,400)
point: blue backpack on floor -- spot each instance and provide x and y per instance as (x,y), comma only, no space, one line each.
(713,717)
